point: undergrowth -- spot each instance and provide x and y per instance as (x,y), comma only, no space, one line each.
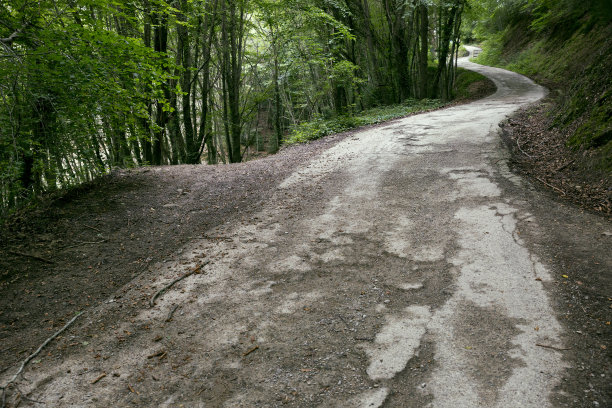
(318,128)
(576,66)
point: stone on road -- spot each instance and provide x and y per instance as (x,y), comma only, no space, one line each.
(387,272)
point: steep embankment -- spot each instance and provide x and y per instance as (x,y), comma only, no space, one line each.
(565,142)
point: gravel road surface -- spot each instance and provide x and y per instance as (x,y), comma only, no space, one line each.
(387,271)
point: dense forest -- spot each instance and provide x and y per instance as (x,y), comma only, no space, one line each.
(88,86)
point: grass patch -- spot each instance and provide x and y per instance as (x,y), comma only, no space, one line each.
(318,128)
(469,85)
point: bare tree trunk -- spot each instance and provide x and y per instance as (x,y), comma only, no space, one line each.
(440,86)
(232,44)
(423,50)
(161,117)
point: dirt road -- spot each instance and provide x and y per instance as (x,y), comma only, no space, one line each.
(388,271)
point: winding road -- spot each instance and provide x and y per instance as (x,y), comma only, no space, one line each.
(388,271)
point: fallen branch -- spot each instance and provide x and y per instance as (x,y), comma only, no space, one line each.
(553,347)
(228,239)
(31,356)
(550,185)
(38,258)
(168,286)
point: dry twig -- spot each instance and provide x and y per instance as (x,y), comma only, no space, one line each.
(250,351)
(553,347)
(99,378)
(38,258)
(93,228)
(566,165)
(518,139)
(171,313)
(159,353)
(85,243)
(180,278)
(550,185)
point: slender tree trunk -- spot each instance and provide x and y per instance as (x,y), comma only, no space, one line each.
(440,76)
(161,117)
(147,146)
(423,50)
(232,43)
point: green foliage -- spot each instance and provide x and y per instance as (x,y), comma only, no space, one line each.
(568,48)
(463,52)
(319,128)
(91,85)
(463,82)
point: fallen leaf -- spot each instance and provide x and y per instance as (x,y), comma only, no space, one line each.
(565,276)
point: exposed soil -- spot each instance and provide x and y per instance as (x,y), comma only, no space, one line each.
(76,251)
(73,251)
(540,152)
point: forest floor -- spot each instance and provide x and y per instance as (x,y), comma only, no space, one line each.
(304,277)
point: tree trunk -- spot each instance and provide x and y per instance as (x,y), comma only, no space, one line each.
(440,89)
(423,50)
(161,117)
(232,41)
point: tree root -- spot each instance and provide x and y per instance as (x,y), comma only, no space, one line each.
(31,356)
(168,286)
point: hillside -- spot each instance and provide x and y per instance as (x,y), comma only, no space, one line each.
(566,141)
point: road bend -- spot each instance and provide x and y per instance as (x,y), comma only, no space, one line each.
(388,271)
